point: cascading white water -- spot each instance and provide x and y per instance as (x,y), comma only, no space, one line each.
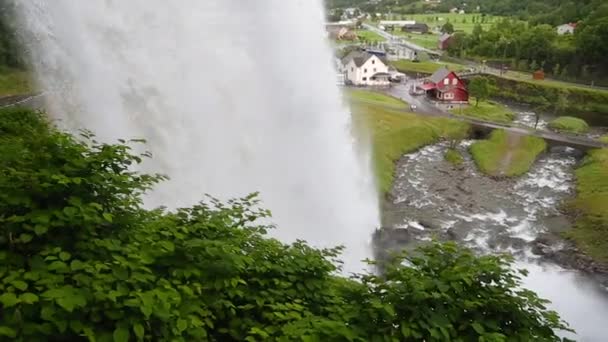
(233,97)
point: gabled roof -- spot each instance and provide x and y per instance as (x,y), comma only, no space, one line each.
(359,57)
(439,75)
(445,37)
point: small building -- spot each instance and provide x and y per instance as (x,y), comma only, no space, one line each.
(446,88)
(341,33)
(566,29)
(420,28)
(538,75)
(362,68)
(444,41)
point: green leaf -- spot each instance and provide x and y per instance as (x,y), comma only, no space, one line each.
(72,301)
(478,328)
(8,299)
(108,217)
(28,298)
(18,284)
(65,256)
(40,230)
(77,265)
(8,332)
(25,238)
(138,329)
(121,335)
(182,324)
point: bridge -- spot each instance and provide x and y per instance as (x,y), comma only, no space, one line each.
(425,107)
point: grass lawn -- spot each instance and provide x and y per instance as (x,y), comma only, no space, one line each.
(487,111)
(372,97)
(590,231)
(394,133)
(369,36)
(569,124)
(15,82)
(427,67)
(505,154)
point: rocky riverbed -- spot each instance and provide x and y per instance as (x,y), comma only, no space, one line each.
(433,199)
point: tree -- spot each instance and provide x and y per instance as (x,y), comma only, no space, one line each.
(481,88)
(447,28)
(81,259)
(541,106)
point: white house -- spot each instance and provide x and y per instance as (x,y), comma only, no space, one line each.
(365,69)
(566,29)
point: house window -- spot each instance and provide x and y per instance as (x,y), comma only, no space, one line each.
(365,78)
(446,81)
(448,96)
(374,69)
(455,81)
(373,61)
(352,69)
(365,71)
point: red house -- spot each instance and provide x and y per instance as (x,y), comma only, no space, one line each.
(444,41)
(446,87)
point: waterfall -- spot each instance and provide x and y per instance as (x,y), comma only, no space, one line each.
(232,97)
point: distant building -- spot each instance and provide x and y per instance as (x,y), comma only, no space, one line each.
(445,87)
(362,68)
(420,28)
(444,41)
(341,33)
(566,29)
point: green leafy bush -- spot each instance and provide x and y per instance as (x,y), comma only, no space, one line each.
(454,157)
(569,124)
(80,259)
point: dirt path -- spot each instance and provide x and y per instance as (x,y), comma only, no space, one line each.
(512,142)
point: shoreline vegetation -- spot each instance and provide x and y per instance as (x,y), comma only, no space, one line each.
(590,206)
(506,154)
(569,124)
(487,111)
(394,132)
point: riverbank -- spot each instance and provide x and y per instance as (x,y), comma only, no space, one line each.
(579,101)
(506,154)
(590,207)
(394,132)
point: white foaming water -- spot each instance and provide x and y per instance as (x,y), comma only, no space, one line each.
(233,97)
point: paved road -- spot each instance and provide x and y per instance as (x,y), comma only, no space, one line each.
(397,40)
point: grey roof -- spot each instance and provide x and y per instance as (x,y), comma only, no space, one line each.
(439,75)
(360,57)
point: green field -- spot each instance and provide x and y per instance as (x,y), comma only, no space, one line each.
(394,132)
(461,22)
(426,67)
(506,155)
(487,111)
(15,82)
(590,207)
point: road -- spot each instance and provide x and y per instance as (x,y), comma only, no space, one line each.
(396,40)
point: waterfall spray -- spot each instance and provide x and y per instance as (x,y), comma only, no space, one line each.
(232,96)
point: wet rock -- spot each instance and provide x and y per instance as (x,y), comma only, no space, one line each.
(430,224)
(464,189)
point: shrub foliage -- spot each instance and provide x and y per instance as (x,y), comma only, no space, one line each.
(81,259)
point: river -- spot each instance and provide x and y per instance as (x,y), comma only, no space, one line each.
(432,198)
